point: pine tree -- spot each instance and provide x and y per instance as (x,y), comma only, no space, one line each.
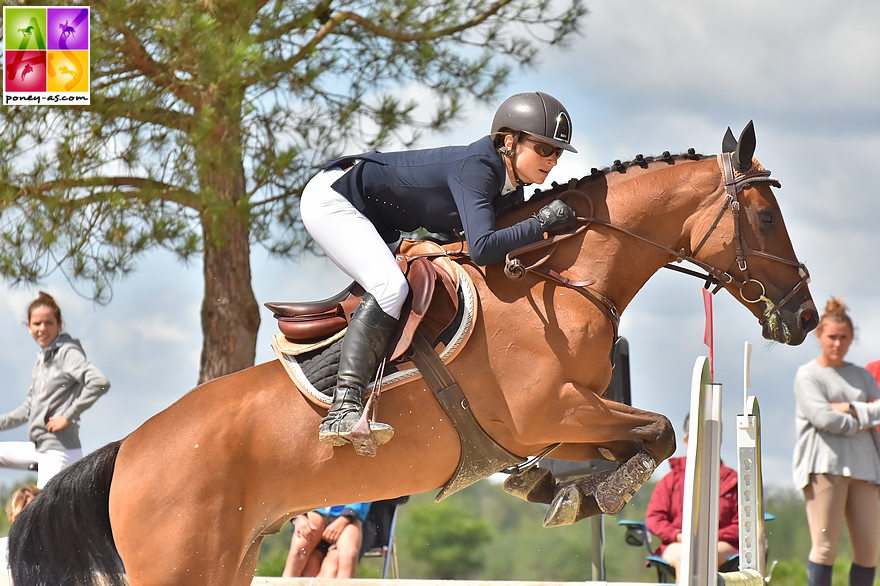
(207,118)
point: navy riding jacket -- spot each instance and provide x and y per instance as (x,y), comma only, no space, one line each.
(455,189)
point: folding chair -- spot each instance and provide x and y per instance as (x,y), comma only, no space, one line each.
(637,535)
(378,537)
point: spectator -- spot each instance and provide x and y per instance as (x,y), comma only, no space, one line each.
(63,385)
(16,503)
(836,461)
(19,499)
(326,542)
(665,514)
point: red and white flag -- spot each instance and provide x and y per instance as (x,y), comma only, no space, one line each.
(709,331)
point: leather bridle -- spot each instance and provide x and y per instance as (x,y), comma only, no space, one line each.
(733,184)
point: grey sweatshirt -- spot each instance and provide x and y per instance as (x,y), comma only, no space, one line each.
(63,383)
(831,442)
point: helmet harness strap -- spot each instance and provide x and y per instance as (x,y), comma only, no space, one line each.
(510,153)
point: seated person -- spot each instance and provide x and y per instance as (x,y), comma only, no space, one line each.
(19,499)
(326,542)
(664,517)
(16,503)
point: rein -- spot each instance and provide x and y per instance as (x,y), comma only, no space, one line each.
(515,269)
(733,184)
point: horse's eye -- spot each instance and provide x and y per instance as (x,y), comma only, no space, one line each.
(766,218)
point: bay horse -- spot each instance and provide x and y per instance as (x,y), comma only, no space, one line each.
(186,498)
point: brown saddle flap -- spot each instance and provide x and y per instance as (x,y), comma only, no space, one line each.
(424,263)
(433,310)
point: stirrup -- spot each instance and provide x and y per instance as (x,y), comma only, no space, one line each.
(368,435)
(381,434)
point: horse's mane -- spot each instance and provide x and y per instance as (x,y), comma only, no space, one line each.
(619,167)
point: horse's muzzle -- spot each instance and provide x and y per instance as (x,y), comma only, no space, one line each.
(792,327)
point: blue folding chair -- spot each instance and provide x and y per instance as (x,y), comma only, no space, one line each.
(378,536)
(638,535)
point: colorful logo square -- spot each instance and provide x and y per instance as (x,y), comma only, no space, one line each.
(46,58)
(25,71)
(68,28)
(68,71)
(24,28)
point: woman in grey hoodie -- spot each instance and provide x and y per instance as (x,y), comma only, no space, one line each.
(63,385)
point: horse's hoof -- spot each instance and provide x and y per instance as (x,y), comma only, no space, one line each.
(613,494)
(569,506)
(535,485)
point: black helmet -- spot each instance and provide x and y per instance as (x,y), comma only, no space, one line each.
(538,114)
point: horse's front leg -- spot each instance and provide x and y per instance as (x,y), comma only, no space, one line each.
(639,439)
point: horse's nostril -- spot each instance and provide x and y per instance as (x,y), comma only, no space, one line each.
(808,319)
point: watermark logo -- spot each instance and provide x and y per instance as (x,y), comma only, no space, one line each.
(46,57)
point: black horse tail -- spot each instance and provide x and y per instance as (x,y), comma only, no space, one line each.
(63,536)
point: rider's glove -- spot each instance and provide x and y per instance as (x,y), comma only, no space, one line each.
(556,215)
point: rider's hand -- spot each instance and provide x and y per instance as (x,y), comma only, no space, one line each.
(556,215)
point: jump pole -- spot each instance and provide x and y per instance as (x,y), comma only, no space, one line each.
(700,523)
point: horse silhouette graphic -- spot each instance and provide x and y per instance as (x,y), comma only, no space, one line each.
(67,71)
(66,29)
(27,69)
(26,32)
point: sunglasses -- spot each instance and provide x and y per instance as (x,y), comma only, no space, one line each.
(544,149)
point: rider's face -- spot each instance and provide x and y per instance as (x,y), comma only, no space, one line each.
(531,166)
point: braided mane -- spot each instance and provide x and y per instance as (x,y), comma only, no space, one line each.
(618,166)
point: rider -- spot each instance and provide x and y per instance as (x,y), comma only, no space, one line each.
(356,207)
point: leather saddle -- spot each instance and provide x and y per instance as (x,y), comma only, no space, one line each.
(429,306)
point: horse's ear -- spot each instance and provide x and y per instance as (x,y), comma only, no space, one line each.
(745,149)
(728,144)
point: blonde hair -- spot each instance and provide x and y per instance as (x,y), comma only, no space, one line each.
(836,311)
(19,499)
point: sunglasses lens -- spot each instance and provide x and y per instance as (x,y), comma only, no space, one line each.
(545,150)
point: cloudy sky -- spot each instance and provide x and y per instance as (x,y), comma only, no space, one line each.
(644,77)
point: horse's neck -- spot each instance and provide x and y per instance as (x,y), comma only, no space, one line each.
(665,204)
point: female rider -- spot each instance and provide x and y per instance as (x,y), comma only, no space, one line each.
(356,207)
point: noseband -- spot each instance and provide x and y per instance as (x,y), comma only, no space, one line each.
(733,184)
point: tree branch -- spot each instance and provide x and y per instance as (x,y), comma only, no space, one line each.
(138,57)
(340,17)
(162,191)
(426,36)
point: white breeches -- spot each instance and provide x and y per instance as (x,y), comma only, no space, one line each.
(23,455)
(351,241)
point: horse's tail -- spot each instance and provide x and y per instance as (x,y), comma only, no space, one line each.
(63,537)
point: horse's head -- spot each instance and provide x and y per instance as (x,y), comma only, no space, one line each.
(764,274)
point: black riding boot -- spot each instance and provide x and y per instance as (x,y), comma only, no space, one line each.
(364,345)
